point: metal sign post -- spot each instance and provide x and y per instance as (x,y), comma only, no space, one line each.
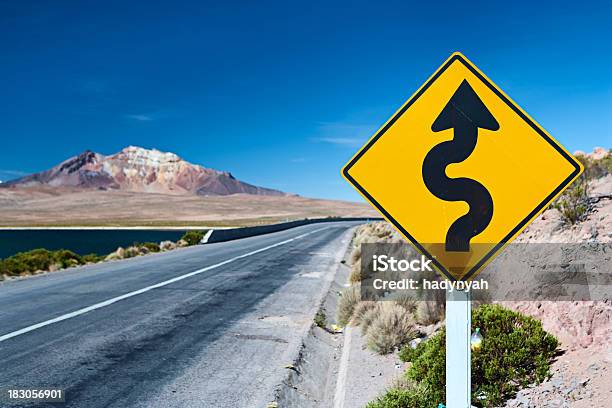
(458,352)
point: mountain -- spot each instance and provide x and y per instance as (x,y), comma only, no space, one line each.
(140,170)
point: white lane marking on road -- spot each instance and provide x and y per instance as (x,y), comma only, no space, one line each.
(343,369)
(311,275)
(148,288)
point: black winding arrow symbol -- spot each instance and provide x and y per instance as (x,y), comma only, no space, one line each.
(464,113)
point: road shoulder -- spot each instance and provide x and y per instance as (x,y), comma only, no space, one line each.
(335,369)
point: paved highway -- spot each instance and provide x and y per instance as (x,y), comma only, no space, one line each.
(206,326)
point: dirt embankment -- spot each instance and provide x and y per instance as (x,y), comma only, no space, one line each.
(582,374)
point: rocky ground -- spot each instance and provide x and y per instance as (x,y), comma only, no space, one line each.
(580,379)
(582,373)
(549,227)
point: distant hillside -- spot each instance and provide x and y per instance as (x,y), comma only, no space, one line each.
(140,170)
(69,206)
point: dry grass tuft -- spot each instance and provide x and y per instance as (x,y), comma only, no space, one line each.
(355,276)
(392,328)
(406,300)
(349,299)
(429,312)
(391,323)
(368,317)
(356,255)
(360,310)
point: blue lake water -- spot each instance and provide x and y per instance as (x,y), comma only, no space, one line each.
(82,241)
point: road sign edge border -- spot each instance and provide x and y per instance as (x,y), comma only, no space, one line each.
(456,56)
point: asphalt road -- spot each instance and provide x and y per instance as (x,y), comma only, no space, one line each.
(206,326)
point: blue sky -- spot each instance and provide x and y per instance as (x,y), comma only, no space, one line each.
(279,93)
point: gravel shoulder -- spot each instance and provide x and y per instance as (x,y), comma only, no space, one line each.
(335,369)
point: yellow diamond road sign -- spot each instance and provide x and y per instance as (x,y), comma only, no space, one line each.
(460,170)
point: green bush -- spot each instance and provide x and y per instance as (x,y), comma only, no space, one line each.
(515,352)
(320,319)
(92,258)
(593,168)
(193,237)
(429,367)
(65,258)
(151,246)
(24,263)
(414,396)
(573,204)
(27,262)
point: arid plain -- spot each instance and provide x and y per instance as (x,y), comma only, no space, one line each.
(51,207)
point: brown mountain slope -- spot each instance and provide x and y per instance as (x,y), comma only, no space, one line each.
(140,170)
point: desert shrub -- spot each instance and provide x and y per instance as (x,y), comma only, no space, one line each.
(515,352)
(92,258)
(596,168)
(573,204)
(131,252)
(193,237)
(360,310)
(320,319)
(348,299)
(36,260)
(518,351)
(151,246)
(429,312)
(137,250)
(119,253)
(428,366)
(391,328)
(374,232)
(405,299)
(12,267)
(355,276)
(408,353)
(412,396)
(65,258)
(24,263)
(368,318)
(167,245)
(28,262)
(356,255)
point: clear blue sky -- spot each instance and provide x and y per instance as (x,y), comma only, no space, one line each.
(279,93)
